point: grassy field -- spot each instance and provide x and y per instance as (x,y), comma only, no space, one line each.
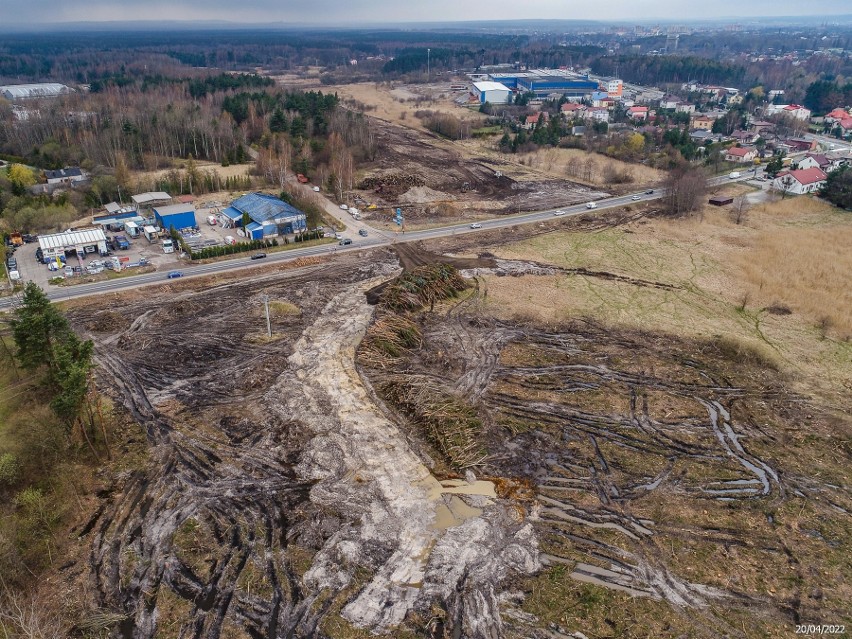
(398,105)
(775,284)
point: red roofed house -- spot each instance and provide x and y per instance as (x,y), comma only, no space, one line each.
(533,119)
(740,154)
(814,160)
(846,125)
(837,115)
(637,112)
(797,111)
(572,110)
(800,181)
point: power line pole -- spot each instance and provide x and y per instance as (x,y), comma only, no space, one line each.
(265,299)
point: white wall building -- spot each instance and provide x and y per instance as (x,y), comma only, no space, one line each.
(82,241)
(491,92)
(800,181)
(29,91)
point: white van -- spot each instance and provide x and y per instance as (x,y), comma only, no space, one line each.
(591,205)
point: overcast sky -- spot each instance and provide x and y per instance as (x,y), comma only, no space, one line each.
(347,12)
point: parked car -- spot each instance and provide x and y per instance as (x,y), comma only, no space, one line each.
(345,241)
(476,225)
(39,254)
(362,232)
(338,236)
(258,256)
(12,263)
(173,274)
(52,266)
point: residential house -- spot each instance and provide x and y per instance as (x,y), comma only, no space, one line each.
(800,181)
(740,154)
(66,176)
(669,102)
(792,110)
(638,113)
(815,160)
(532,120)
(683,107)
(702,123)
(745,137)
(599,114)
(573,111)
(837,115)
(602,99)
(799,145)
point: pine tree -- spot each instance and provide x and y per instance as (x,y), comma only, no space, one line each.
(37,326)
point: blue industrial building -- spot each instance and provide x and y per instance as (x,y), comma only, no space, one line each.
(269,216)
(177,216)
(544,83)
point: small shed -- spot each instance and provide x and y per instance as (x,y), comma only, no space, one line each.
(721,200)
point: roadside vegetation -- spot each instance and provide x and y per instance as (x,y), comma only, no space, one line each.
(56,431)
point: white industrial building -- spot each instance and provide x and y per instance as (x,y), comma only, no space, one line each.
(81,242)
(28,91)
(491,92)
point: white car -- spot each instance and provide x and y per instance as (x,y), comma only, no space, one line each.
(338,236)
(636,197)
(344,207)
(591,205)
(476,225)
(559,212)
(316,189)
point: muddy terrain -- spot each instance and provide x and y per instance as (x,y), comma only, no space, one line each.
(407,466)
(660,471)
(430,180)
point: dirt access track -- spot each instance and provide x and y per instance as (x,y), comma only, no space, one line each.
(425,176)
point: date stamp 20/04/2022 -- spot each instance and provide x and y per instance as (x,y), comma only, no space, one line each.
(820,629)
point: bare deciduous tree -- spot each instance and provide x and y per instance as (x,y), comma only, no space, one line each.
(685,188)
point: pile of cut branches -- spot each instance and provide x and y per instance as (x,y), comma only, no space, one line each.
(389,336)
(423,286)
(448,422)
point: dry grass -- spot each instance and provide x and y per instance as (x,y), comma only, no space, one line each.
(789,253)
(807,270)
(390,104)
(279,308)
(555,162)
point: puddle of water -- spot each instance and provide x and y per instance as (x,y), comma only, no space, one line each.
(453,512)
(461,487)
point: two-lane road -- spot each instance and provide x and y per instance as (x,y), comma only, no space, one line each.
(374,239)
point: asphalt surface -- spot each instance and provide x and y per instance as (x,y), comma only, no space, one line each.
(374,239)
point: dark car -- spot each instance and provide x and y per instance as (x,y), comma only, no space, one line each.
(39,254)
(173,274)
(345,241)
(363,232)
(12,263)
(649,192)
(28,238)
(258,256)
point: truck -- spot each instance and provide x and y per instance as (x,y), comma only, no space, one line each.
(168,246)
(120,242)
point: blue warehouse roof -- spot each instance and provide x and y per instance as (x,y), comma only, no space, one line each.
(261,208)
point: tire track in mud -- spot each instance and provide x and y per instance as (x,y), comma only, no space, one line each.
(578,497)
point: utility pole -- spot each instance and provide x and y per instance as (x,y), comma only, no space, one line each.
(265,299)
